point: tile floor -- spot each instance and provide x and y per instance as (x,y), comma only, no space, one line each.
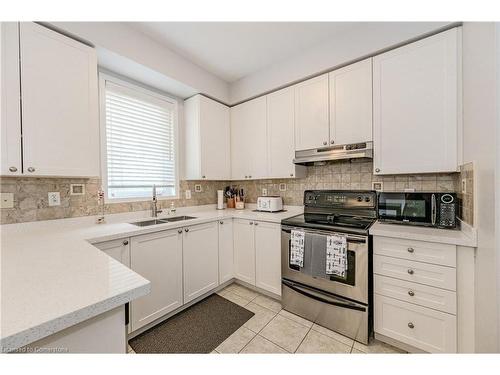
(274,330)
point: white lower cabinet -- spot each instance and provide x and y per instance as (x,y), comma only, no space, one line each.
(158,258)
(257,247)
(226,250)
(200,260)
(268,256)
(117,249)
(244,250)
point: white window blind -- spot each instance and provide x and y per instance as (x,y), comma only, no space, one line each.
(140,144)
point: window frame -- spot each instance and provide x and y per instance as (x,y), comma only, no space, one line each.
(144,90)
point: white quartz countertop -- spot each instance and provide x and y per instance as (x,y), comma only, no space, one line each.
(464,237)
(52,277)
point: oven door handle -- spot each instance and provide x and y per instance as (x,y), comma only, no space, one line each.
(331,300)
(350,237)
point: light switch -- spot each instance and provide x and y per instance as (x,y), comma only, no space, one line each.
(282,186)
(7,200)
(54,198)
(188,194)
(264,192)
(464,186)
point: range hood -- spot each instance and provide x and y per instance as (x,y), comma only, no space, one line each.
(351,151)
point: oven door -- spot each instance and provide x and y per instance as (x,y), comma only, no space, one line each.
(313,274)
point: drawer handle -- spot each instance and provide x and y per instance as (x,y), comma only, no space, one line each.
(186,230)
(125,243)
(411,325)
(221,222)
(411,293)
(410,271)
(179,231)
(411,249)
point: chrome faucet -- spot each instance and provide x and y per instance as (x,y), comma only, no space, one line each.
(154,209)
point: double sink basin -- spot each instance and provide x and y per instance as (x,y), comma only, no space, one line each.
(162,221)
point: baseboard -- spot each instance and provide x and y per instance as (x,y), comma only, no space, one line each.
(398,344)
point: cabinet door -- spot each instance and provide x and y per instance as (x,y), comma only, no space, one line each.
(240,145)
(244,250)
(215,140)
(268,256)
(59,104)
(226,255)
(351,103)
(415,106)
(10,100)
(117,249)
(158,258)
(200,260)
(311,113)
(281,133)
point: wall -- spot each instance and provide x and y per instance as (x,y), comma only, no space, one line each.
(479,120)
(31,193)
(362,41)
(124,41)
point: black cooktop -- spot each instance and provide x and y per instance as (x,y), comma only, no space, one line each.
(351,224)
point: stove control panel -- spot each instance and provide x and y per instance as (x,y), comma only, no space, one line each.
(340,198)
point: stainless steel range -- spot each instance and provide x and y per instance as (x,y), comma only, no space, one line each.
(342,303)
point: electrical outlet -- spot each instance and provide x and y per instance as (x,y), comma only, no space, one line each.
(282,187)
(264,192)
(464,186)
(7,200)
(188,194)
(198,188)
(54,198)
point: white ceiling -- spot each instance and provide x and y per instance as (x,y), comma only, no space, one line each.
(233,50)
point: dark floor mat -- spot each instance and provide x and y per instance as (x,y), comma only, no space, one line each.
(198,329)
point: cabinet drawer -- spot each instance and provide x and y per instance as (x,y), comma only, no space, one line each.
(433,331)
(429,252)
(423,295)
(423,273)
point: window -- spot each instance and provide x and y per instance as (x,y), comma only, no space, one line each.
(139,146)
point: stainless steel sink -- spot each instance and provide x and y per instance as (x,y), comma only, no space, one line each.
(178,218)
(150,222)
(162,221)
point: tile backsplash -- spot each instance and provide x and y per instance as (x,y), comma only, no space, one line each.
(31,203)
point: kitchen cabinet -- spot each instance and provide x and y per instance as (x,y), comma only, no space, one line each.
(416,106)
(207,139)
(281,135)
(57,79)
(257,259)
(268,256)
(200,260)
(11,164)
(158,258)
(117,249)
(351,103)
(311,113)
(244,250)
(226,250)
(249,140)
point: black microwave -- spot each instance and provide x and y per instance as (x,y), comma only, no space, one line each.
(427,209)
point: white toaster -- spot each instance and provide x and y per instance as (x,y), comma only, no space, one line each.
(270,203)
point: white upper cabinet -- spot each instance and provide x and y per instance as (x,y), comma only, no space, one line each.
(10,104)
(281,135)
(59,104)
(249,140)
(416,106)
(207,140)
(351,103)
(311,113)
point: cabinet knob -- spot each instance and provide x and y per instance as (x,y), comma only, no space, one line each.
(202,176)
(410,271)
(249,176)
(411,325)
(179,231)
(31,169)
(13,169)
(291,174)
(221,222)
(246,176)
(332,142)
(411,293)
(186,230)
(325,143)
(377,169)
(256,223)
(125,242)
(251,223)
(411,249)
